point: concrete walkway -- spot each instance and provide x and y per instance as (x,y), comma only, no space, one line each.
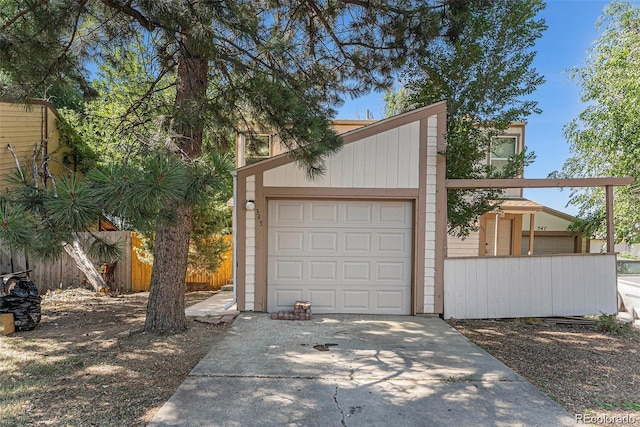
(349,370)
(214,306)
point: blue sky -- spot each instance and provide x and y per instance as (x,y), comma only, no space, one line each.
(571,31)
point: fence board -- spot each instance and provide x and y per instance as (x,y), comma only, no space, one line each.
(130,273)
(141,272)
(558,285)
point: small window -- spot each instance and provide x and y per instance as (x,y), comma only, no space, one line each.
(256,148)
(502,149)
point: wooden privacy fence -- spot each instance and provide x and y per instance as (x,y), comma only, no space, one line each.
(196,279)
(129,275)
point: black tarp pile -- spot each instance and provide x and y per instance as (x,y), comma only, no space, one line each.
(24,302)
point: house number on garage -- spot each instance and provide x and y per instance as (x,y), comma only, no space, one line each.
(259,217)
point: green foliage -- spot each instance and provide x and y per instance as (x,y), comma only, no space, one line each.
(16,224)
(604,138)
(209,68)
(610,324)
(485,74)
(78,156)
(285,65)
(73,206)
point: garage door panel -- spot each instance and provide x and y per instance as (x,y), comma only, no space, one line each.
(282,297)
(324,300)
(396,215)
(323,270)
(356,242)
(356,271)
(355,257)
(287,270)
(324,213)
(390,300)
(326,241)
(393,243)
(288,213)
(289,241)
(355,300)
(358,214)
(391,271)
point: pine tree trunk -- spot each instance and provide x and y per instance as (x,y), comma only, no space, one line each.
(75,251)
(165,309)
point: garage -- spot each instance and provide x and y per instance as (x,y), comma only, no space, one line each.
(363,237)
(545,244)
(342,256)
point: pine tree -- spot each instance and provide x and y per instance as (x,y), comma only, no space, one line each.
(282,64)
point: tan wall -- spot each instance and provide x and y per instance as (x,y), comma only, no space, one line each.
(458,247)
(546,222)
(25,127)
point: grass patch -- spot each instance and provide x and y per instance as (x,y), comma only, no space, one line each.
(629,406)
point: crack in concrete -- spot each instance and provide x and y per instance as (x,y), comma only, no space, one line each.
(335,399)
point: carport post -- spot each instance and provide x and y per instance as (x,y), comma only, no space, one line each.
(609,216)
(532,222)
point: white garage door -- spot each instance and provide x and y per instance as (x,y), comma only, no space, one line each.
(343,257)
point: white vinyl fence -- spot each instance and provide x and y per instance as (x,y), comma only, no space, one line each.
(530,286)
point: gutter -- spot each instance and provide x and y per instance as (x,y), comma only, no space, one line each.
(234,224)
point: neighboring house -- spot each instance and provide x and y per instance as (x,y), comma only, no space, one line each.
(27,127)
(506,231)
(369,236)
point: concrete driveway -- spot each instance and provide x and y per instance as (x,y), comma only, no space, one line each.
(350,370)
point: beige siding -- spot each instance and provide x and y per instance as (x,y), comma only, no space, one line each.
(545,222)
(25,127)
(458,247)
(535,286)
(504,237)
(386,160)
(250,245)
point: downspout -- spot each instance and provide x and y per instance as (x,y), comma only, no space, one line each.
(234,242)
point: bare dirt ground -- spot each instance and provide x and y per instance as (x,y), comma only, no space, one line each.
(591,373)
(88,363)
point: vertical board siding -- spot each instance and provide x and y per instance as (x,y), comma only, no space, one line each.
(63,273)
(385,160)
(536,286)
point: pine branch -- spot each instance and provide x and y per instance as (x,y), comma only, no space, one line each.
(19,15)
(135,14)
(15,157)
